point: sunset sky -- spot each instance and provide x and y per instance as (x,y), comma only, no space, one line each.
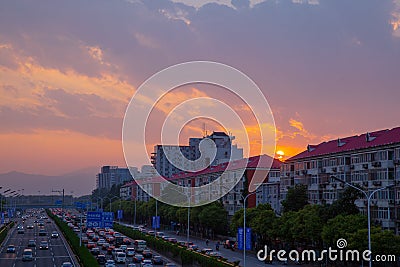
(69,68)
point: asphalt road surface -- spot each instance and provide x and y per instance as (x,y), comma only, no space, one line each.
(57,253)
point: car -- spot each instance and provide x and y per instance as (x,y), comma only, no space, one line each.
(130,252)
(54,234)
(44,245)
(170,264)
(132,265)
(147,263)
(95,251)
(30,226)
(11,249)
(42,232)
(157,260)
(91,245)
(21,231)
(121,257)
(229,244)
(31,243)
(67,264)
(110,263)
(127,241)
(123,247)
(27,255)
(215,255)
(138,258)
(206,250)
(101,259)
(147,254)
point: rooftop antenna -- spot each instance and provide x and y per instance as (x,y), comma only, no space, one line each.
(204,130)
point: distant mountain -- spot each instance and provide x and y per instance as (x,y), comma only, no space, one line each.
(80,182)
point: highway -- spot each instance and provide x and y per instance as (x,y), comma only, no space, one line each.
(57,253)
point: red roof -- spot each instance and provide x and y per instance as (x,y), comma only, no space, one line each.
(262,161)
(357,142)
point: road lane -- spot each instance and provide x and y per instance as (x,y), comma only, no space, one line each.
(54,256)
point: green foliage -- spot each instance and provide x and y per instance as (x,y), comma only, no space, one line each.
(296,199)
(4,230)
(85,257)
(342,226)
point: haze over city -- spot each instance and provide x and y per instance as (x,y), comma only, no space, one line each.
(68,69)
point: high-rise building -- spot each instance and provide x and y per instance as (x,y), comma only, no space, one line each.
(112,175)
(370,160)
(164,155)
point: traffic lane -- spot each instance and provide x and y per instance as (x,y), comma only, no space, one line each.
(20,241)
(8,259)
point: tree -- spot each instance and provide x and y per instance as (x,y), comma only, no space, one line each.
(214,217)
(296,199)
(342,226)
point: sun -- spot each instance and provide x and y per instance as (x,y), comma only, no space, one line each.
(280,154)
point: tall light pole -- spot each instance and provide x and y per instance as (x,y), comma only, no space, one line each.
(368,195)
(244,225)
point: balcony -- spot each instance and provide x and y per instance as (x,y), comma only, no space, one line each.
(376,164)
(377,183)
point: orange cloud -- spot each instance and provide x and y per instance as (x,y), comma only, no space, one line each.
(57,152)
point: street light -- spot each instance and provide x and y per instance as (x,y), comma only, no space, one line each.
(111,198)
(368,195)
(244,224)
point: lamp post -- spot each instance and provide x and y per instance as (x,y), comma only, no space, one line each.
(244,225)
(368,195)
(1,201)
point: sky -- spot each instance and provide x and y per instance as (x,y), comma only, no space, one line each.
(68,69)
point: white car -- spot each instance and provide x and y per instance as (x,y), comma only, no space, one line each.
(109,263)
(121,257)
(147,263)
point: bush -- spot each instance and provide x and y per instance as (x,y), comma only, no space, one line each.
(85,257)
(4,230)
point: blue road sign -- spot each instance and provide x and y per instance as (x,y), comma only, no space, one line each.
(119,214)
(108,219)
(248,238)
(156,222)
(94,219)
(240,235)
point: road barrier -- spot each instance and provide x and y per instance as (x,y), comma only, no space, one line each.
(4,230)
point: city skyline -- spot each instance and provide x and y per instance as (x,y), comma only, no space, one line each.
(327,69)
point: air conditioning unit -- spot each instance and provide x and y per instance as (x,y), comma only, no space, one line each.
(365,183)
(352,167)
(365,165)
(397,161)
(304,172)
(341,168)
(323,170)
(334,169)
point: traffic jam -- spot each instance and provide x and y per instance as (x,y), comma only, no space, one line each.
(112,248)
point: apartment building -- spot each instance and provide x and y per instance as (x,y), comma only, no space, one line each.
(370,160)
(112,175)
(167,159)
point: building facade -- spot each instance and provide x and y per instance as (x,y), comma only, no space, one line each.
(112,175)
(163,155)
(370,161)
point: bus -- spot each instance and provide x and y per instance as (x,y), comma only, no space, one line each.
(139,245)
